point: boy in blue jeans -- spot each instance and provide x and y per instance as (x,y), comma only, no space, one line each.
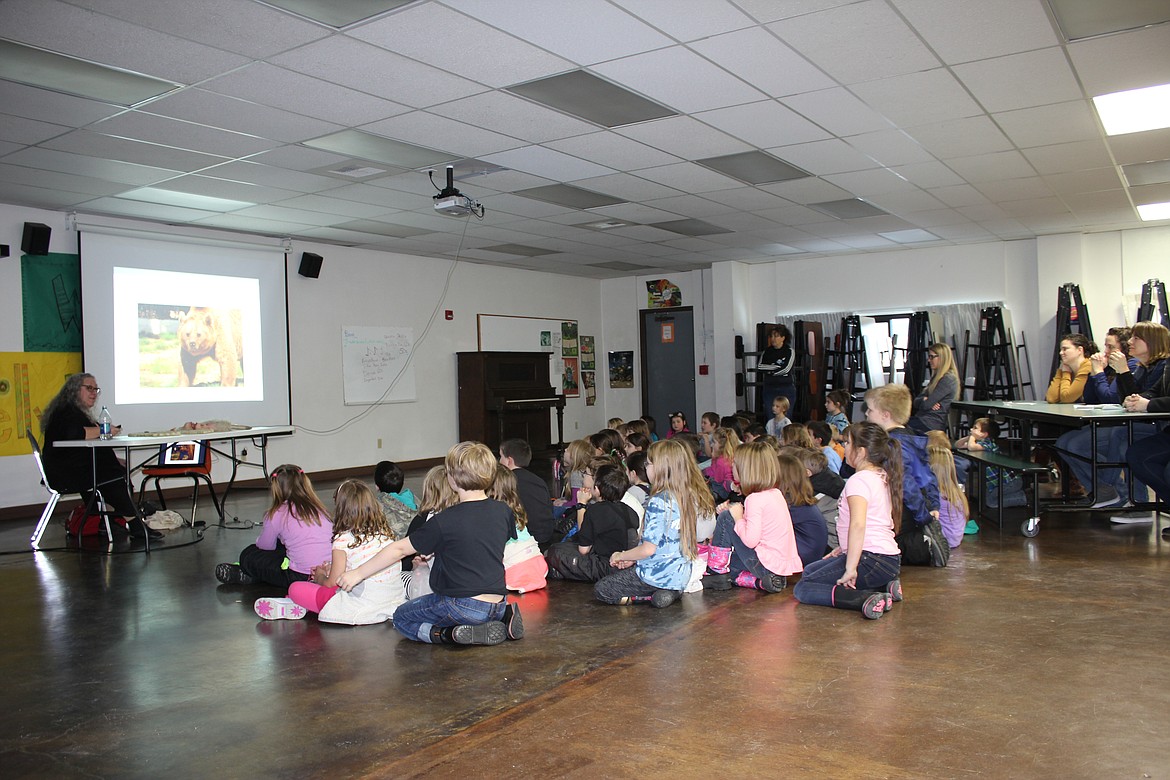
(469,604)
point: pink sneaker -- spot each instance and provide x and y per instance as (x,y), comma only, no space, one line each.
(278,609)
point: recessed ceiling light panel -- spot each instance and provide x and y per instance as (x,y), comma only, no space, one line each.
(591,98)
(61,73)
(1152,212)
(568,195)
(337,13)
(1134,110)
(754,167)
(367,146)
(850,208)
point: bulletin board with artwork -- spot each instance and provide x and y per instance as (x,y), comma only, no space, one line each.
(515,333)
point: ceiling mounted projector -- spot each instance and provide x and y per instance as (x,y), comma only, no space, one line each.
(454,203)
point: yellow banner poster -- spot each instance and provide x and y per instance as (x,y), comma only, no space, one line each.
(28,381)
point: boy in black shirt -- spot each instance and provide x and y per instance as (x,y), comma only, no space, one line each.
(516,454)
(605,530)
(469,604)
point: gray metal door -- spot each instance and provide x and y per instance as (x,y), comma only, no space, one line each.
(668,365)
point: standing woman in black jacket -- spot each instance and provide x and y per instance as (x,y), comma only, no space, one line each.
(932,405)
(776,364)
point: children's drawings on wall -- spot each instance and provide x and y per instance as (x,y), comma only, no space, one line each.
(376,364)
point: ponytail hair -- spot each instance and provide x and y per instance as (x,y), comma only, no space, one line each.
(883,452)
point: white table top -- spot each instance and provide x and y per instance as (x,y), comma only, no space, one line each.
(127,441)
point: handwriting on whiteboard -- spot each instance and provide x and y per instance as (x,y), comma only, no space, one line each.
(376,363)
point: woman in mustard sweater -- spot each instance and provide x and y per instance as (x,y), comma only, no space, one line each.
(1068,385)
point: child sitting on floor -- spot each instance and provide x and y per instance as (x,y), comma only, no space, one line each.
(609,526)
(808,524)
(524,566)
(953,509)
(724,444)
(822,436)
(638,492)
(296,526)
(397,504)
(779,421)
(839,404)
(360,530)
(469,604)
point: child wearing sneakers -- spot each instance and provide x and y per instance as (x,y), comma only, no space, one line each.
(296,527)
(607,527)
(954,512)
(658,569)
(360,530)
(862,574)
(469,604)
(753,545)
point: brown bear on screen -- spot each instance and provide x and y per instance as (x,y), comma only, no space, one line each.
(210,333)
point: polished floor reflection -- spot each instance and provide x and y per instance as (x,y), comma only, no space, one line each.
(1028,658)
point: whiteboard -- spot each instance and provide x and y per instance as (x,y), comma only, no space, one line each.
(376,364)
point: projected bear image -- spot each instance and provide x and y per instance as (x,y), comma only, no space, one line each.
(195,346)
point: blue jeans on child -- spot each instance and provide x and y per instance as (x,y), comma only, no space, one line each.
(874,572)
(743,558)
(415,619)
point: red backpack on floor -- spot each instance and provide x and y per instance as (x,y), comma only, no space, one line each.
(88,525)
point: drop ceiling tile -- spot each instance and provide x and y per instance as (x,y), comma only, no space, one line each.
(689,177)
(810,190)
(740,221)
(81,33)
(1150,193)
(190,20)
(140,126)
(1129,60)
(584,31)
(269,85)
(627,186)
(376,71)
(43,197)
(744,199)
(330,205)
(936,217)
(1026,187)
(525,207)
(685,137)
(145,210)
(838,111)
(871,182)
(512,116)
(984,213)
(254,225)
(23,131)
(998,86)
(890,47)
(960,195)
(645,233)
(484,54)
(918,98)
(426,129)
(64,182)
(283,214)
(613,150)
(228,113)
(906,204)
(1049,223)
(1063,158)
(509,181)
(928,174)
(1033,207)
(379,196)
(1099,201)
(822,157)
(299,158)
(41,104)
(689,206)
(686,20)
(1140,147)
(961,137)
(770,11)
(679,78)
(7,147)
(961,31)
(890,147)
(549,163)
(197,184)
(1090,180)
(763,124)
(82,165)
(819,245)
(990,167)
(269,176)
(967,231)
(131,151)
(761,59)
(1046,125)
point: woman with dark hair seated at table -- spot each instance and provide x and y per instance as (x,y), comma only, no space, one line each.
(69,417)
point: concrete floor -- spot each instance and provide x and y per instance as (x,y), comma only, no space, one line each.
(1026,658)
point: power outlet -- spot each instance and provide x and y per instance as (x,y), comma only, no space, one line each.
(379,444)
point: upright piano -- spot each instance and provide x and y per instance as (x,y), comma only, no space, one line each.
(509,395)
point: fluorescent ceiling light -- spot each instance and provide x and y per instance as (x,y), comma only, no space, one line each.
(1157,172)
(1080,19)
(185,199)
(909,236)
(850,208)
(337,13)
(519,249)
(690,227)
(1154,211)
(60,73)
(367,146)
(589,97)
(382,228)
(569,196)
(1134,110)
(755,167)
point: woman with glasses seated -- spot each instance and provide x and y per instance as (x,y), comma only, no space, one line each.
(932,405)
(69,417)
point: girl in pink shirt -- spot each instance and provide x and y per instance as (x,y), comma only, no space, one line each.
(724,444)
(296,527)
(862,574)
(753,545)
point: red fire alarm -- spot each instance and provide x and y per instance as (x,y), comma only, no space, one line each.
(448,315)
(703,370)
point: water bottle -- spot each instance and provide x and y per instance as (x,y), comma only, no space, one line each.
(105,424)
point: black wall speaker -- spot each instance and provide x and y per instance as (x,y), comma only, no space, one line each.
(36,239)
(3,250)
(310,265)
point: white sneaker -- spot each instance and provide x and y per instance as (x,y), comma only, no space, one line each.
(1130,518)
(278,609)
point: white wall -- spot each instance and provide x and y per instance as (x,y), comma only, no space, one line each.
(356,287)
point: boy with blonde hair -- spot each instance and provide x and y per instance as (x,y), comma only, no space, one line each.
(921,538)
(469,604)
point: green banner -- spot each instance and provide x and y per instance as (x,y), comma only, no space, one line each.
(51,296)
